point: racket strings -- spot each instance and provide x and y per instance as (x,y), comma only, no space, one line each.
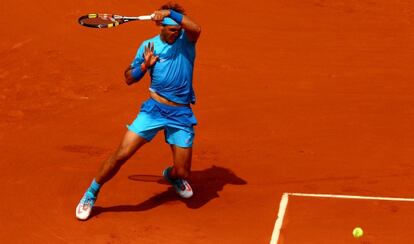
(101,20)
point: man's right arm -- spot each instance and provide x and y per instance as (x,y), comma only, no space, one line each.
(144,59)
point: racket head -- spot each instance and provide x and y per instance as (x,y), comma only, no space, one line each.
(100,20)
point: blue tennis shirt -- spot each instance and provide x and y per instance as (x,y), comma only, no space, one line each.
(172,74)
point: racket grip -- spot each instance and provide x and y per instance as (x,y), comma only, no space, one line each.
(146,17)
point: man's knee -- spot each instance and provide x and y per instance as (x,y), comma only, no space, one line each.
(130,144)
(122,155)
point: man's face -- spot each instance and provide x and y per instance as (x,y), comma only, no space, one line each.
(170,33)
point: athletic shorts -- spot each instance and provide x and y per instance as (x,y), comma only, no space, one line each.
(176,121)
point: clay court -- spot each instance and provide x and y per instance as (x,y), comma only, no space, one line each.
(313,97)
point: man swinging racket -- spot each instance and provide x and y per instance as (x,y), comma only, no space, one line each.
(169,60)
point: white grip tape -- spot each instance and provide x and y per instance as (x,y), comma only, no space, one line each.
(146,17)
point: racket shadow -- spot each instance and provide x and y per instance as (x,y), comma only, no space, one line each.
(206,184)
(149,178)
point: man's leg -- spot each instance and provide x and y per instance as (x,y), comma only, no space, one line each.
(182,162)
(181,141)
(129,145)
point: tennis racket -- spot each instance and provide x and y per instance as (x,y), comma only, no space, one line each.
(108,20)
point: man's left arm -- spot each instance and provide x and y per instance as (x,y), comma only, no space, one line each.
(192,29)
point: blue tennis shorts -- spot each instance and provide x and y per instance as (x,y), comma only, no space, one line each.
(177,123)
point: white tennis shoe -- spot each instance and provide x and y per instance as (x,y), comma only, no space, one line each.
(181,186)
(84,208)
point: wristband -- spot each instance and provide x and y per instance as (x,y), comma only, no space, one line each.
(177,17)
(137,73)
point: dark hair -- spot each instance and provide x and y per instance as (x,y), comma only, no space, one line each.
(174,6)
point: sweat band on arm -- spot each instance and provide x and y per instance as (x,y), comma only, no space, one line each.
(137,73)
(169,21)
(177,17)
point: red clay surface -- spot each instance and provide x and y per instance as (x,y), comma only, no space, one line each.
(293,96)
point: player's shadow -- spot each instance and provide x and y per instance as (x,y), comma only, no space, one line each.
(206,185)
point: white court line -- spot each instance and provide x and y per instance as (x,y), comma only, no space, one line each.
(285,198)
(397,199)
(279,221)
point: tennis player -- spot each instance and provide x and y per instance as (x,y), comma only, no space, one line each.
(169,60)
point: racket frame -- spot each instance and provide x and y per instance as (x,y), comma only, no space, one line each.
(115,18)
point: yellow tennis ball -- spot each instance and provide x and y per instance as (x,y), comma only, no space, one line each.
(357,232)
